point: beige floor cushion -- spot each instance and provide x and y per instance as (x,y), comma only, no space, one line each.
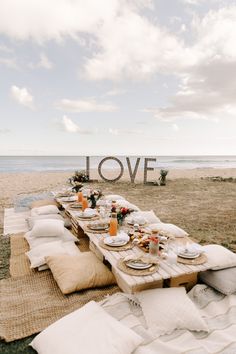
(84,271)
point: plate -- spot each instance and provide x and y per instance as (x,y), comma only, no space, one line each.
(189,255)
(97,228)
(132,223)
(114,243)
(138,265)
(86,216)
(76,206)
(68,199)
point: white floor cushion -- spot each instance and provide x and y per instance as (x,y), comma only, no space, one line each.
(223,280)
(37,254)
(219,257)
(89,330)
(168,309)
(32,219)
(48,228)
(44,210)
(170,229)
(36,241)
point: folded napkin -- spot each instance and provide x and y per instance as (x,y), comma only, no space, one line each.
(142,258)
(121,236)
(89,212)
(191,248)
(69,199)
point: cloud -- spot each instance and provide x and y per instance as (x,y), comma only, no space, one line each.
(61,18)
(115,131)
(4,131)
(5,49)
(71,127)
(43,62)
(22,96)
(206,89)
(89,105)
(9,62)
(115,31)
(115,92)
(124,51)
(175,127)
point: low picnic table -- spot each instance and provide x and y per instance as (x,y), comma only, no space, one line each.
(171,275)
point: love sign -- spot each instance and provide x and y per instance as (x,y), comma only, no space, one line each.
(120,168)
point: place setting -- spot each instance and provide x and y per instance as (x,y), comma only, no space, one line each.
(75,206)
(138,264)
(69,199)
(97,227)
(191,254)
(87,214)
(120,242)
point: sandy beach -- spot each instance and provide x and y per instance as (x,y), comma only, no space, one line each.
(204,208)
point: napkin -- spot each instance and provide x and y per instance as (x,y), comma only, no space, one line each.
(89,212)
(143,258)
(191,248)
(121,236)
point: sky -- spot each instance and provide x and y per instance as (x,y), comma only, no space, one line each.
(118,77)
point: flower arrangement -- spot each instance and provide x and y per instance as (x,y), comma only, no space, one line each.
(121,213)
(77,179)
(93,196)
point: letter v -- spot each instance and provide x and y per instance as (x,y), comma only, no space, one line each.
(132,173)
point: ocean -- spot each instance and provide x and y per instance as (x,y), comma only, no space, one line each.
(72,163)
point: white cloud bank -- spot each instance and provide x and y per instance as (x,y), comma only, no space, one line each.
(22,96)
(89,105)
(207,89)
(71,127)
(125,44)
(44,62)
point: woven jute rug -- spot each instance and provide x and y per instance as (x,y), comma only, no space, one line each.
(19,262)
(31,303)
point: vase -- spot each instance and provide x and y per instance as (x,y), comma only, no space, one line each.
(153,248)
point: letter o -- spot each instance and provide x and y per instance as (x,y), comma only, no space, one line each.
(100,169)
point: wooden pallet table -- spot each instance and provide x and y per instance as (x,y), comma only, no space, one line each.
(168,275)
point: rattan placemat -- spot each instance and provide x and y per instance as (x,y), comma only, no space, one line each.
(122,266)
(196,261)
(87,229)
(87,219)
(128,246)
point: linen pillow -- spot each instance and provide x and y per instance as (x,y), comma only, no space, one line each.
(223,280)
(169,228)
(88,330)
(36,241)
(42,202)
(168,309)
(48,228)
(150,216)
(112,197)
(80,272)
(37,254)
(219,257)
(31,220)
(44,210)
(125,204)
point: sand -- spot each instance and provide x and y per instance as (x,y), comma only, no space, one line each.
(204,208)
